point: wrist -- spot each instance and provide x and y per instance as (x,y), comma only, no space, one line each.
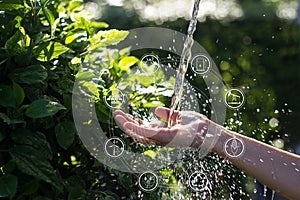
(223,137)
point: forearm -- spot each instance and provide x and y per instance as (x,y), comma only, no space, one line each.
(279,170)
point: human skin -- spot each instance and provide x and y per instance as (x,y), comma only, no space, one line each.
(278,169)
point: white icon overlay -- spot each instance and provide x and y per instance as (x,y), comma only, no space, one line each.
(114,147)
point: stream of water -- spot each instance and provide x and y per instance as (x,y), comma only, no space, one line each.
(184,63)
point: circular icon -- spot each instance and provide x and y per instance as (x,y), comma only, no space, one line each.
(114,98)
(114,147)
(148,181)
(200,64)
(198,181)
(150,63)
(234,98)
(234,147)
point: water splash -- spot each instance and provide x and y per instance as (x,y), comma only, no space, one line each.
(184,62)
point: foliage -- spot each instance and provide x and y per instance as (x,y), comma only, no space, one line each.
(43,44)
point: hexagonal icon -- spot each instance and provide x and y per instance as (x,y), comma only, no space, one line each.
(114,147)
(148,181)
(114,98)
(200,64)
(234,147)
(234,98)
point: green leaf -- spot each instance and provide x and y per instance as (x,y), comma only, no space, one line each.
(89,88)
(75,63)
(29,75)
(75,5)
(18,20)
(18,43)
(9,121)
(36,140)
(106,38)
(19,93)
(153,104)
(95,24)
(152,154)
(7,96)
(10,6)
(5,118)
(29,162)
(8,185)
(9,167)
(31,187)
(124,51)
(77,36)
(145,80)
(65,133)
(50,18)
(126,62)
(69,39)
(85,75)
(49,51)
(43,108)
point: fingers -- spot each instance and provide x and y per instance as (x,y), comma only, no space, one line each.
(128,117)
(121,120)
(163,135)
(164,114)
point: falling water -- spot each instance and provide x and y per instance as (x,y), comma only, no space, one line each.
(184,62)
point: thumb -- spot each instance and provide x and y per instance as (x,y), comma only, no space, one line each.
(162,113)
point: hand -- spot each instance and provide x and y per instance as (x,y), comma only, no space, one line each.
(189,128)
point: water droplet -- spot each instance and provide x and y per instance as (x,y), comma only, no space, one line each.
(261,160)
(273,122)
(279,143)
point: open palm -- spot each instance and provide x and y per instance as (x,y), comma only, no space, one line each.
(189,128)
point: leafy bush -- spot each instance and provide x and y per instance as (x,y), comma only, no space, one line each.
(43,44)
